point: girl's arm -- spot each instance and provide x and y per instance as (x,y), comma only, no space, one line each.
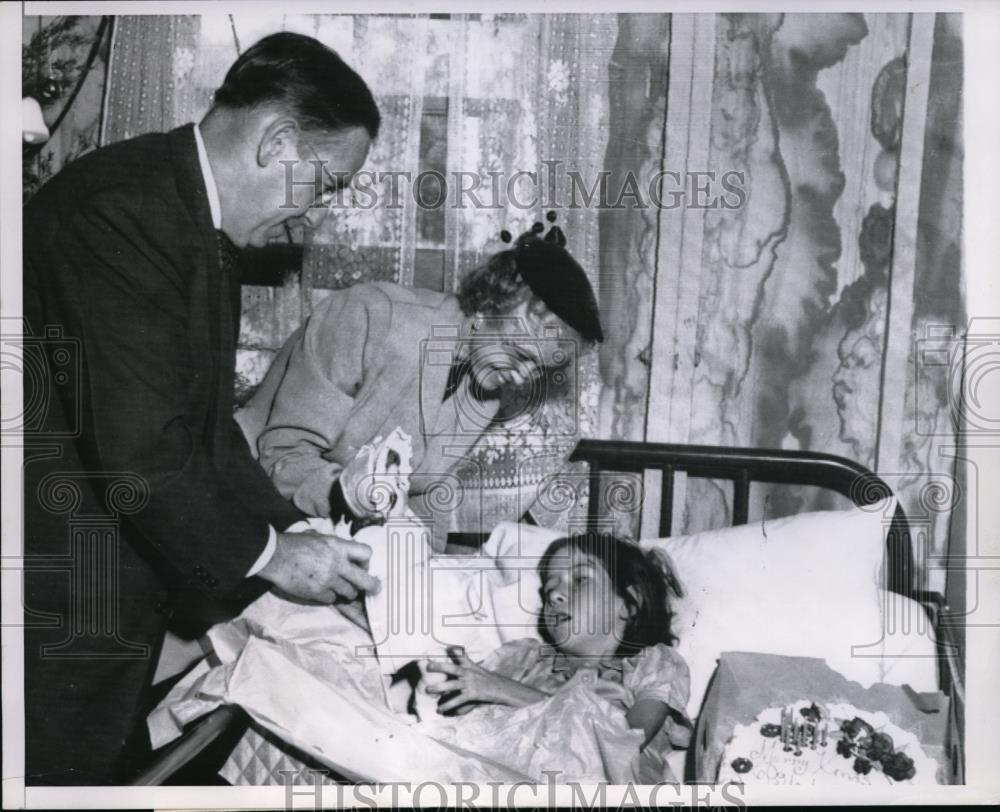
(472,683)
(647,715)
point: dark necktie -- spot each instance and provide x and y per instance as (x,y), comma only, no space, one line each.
(229,259)
(229,254)
(226,328)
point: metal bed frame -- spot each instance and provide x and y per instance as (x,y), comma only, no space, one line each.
(741,466)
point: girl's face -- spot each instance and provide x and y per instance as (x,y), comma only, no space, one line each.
(581,612)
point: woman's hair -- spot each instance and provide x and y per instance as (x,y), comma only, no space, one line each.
(493,288)
(306,78)
(643,579)
(540,271)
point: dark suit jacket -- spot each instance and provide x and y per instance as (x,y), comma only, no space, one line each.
(133,434)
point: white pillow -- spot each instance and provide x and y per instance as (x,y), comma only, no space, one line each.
(806,585)
(515,595)
(908,648)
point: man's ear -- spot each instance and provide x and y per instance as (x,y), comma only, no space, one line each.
(276,139)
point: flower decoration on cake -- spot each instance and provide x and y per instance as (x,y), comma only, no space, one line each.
(899,767)
(870,749)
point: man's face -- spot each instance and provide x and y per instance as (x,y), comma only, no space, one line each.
(298,176)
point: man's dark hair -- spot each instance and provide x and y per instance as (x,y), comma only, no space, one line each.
(316,86)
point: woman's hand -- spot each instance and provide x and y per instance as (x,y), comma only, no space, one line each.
(472,683)
(376,481)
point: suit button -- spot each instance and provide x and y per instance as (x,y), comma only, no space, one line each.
(213,582)
(160,608)
(199,569)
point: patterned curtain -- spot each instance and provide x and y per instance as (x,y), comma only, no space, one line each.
(805,317)
(150,87)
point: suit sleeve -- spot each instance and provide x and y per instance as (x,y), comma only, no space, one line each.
(129,306)
(250,481)
(314,401)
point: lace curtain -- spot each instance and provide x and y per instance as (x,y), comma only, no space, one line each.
(510,93)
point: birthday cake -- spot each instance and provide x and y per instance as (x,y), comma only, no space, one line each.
(809,745)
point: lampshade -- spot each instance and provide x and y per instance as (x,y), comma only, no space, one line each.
(32,124)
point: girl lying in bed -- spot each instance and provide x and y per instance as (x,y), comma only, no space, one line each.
(605,623)
(598,698)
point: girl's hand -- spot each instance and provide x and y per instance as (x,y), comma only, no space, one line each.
(471,682)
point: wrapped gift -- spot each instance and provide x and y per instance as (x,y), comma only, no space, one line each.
(746,684)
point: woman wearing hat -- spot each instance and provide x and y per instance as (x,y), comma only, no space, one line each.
(379,356)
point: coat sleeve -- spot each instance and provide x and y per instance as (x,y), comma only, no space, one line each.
(255,490)
(128,304)
(315,398)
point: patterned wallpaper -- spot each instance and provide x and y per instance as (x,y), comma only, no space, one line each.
(771,325)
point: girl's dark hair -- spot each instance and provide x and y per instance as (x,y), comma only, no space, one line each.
(643,579)
(303,75)
(493,288)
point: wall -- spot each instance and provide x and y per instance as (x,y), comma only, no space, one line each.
(793,321)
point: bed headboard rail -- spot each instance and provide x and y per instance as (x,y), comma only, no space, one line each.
(744,466)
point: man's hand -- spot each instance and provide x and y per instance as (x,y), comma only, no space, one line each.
(320,568)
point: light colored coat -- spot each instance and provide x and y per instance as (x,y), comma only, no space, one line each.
(370,358)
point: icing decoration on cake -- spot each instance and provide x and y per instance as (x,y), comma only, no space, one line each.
(810,745)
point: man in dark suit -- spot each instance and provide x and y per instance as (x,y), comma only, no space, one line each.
(140,491)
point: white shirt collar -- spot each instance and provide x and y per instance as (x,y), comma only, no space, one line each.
(206,173)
